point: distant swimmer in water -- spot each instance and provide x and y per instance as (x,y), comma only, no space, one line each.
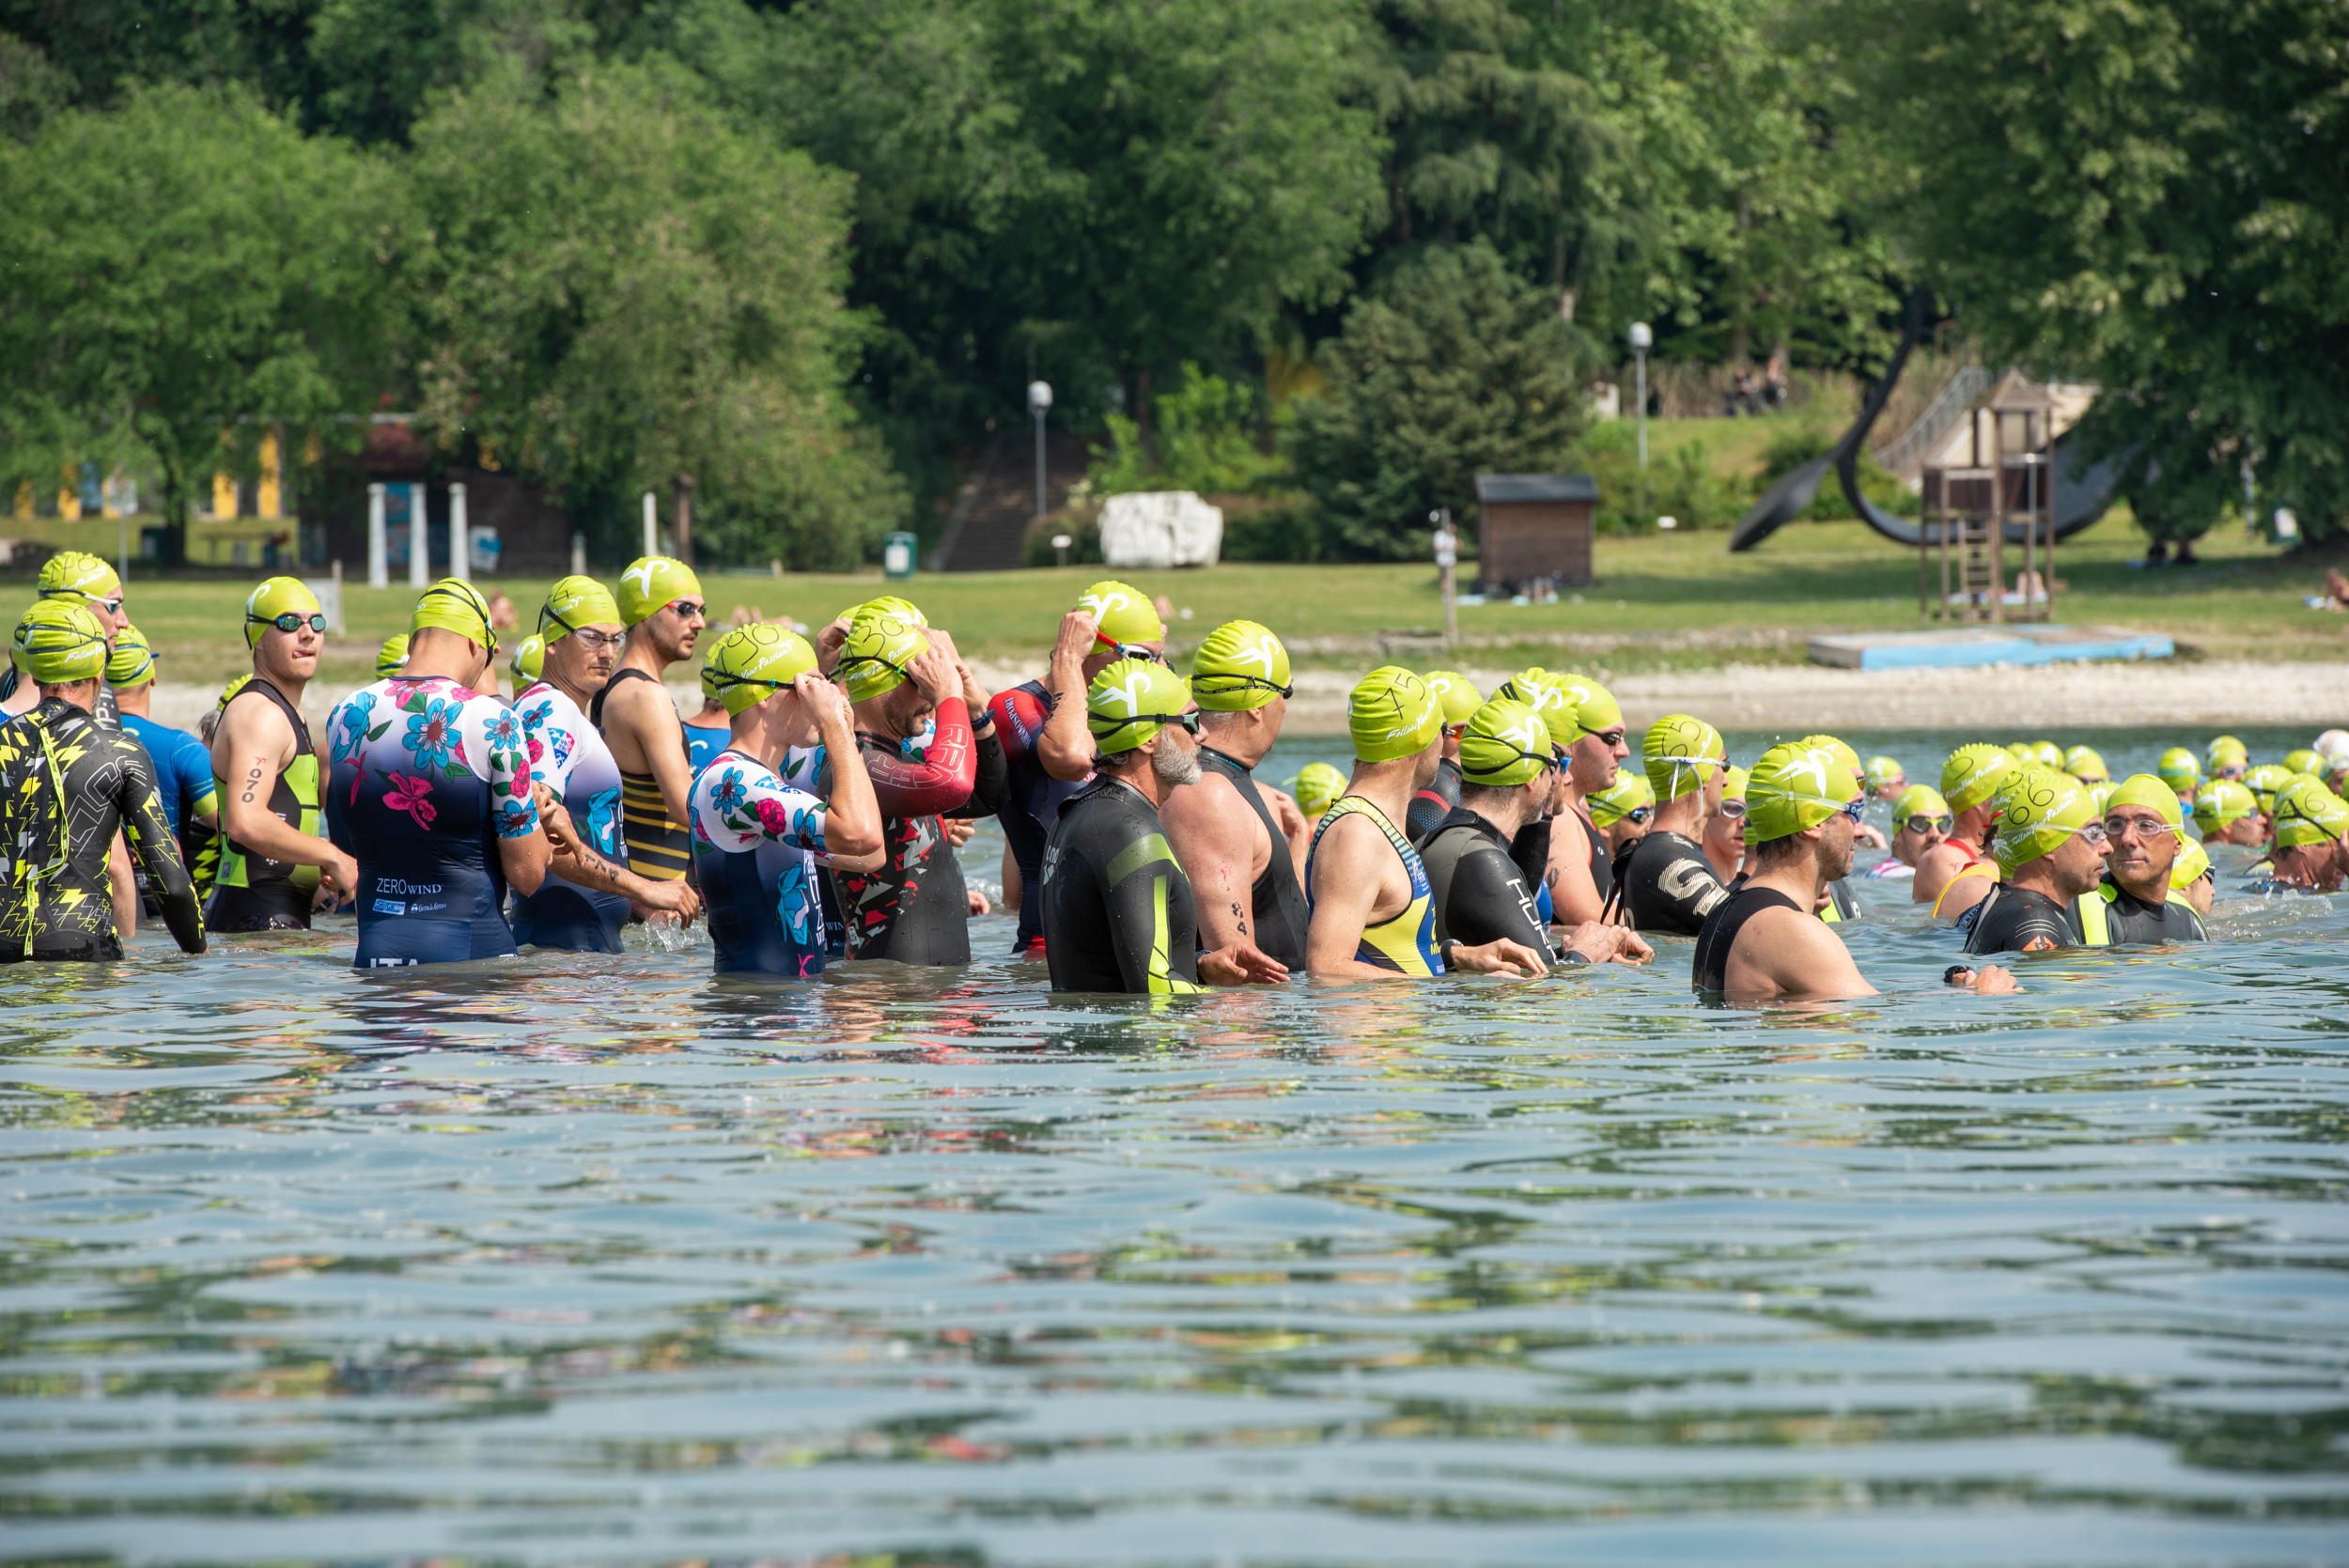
(2136,902)
(1763,942)
(1586,725)
(1922,821)
(1670,885)
(2050,846)
(2312,839)
(1958,873)
(1884,777)
(1459,699)
(2181,773)
(2087,764)
(1316,785)
(2225,758)
(2228,813)
(1725,829)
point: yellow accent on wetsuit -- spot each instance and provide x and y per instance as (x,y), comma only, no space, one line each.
(656,847)
(1405,942)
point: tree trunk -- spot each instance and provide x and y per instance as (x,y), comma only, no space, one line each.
(174,547)
(684,530)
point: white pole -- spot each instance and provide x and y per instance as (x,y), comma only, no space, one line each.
(1642,356)
(460,544)
(379,549)
(579,555)
(652,527)
(419,541)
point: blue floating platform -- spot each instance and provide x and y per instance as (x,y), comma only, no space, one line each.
(1957,648)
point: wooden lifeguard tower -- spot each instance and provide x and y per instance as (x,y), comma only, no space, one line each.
(2000,476)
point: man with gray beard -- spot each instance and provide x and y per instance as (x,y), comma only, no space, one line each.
(1118,910)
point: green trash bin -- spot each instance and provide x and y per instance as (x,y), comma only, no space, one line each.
(898,555)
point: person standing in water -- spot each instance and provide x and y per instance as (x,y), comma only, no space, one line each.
(183,768)
(1237,845)
(2133,903)
(2050,848)
(1725,829)
(1669,883)
(1959,874)
(1459,699)
(272,856)
(660,603)
(75,577)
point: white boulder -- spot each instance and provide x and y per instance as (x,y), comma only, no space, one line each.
(1160,528)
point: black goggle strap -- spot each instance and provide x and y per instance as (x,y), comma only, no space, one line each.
(315,619)
(872,659)
(471,605)
(1188,722)
(1199,682)
(1547,764)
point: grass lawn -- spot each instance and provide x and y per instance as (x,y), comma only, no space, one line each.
(1671,601)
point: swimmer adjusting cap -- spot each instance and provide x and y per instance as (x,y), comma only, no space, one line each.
(1130,702)
(1506,744)
(2038,811)
(1973,774)
(752,663)
(2223,802)
(60,641)
(1538,689)
(881,648)
(453,605)
(2192,865)
(888,604)
(133,662)
(1796,785)
(530,659)
(652,581)
(1457,695)
(1240,667)
(2307,813)
(392,657)
(79,576)
(574,602)
(1920,800)
(2087,764)
(1121,613)
(1882,770)
(1392,714)
(1627,793)
(2151,794)
(1680,754)
(275,596)
(1317,785)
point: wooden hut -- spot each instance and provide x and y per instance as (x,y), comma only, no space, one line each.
(1534,526)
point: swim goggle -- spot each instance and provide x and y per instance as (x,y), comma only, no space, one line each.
(1922,824)
(1546,763)
(2093,832)
(1190,722)
(2146,826)
(1613,738)
(1639,813)
(289,621)
(1853,807)
(1243,680)
(111,606)
(841,669)
(1135,650)
(589,638)
(479,611)
(689,607)
(1732,809)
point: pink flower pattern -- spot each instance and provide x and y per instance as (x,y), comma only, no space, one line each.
(409,795)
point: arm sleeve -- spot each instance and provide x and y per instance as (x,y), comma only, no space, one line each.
(1020,715)
(1690,886)
(941,780)
(992,791)
(157,851)
(785,816)
(1529,849)
(1136,895)
(1490,901)
(516,807)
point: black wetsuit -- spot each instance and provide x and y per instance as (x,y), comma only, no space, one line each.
(1431,807)
(251,891)
(1277,912)
(1118,912)
(1669,886)
(2012,919)
(1708,969)
(68,784)
(1602,858)
(2112,915)
(1841,905)
(1481,894)
(1031,801)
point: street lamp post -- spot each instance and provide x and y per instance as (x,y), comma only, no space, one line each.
(1039,404)
(1641,341)
(1447,558)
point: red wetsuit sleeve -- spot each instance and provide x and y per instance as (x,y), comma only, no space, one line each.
(939,782)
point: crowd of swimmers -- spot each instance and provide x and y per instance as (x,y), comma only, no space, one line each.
(811,811)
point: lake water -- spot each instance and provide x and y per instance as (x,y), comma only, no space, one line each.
(597,1261)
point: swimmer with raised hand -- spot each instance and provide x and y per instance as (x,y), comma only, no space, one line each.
(1763,943)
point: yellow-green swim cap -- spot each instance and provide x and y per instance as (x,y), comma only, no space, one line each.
(2145,789)
(1973,774)
(2223,802)
(1595,709)
(1240,667)
(1540,691)
(2086,764)
(1392,714)
(530,659)
(2178,769)
(1131,701)
(2266,780)
(1679,755)
(1315,785)
(1630,792)
(752,663)
(2047,754)
(60,641)
(1506,744)
(652,581)
(453,605)
(1121,613)
(574,602)
(228,692)
(1918,801)
(1456,693)
(392,657)
(888,604)
(1734,784)
(1883,770)
(133,662)
(275,596)
(2307,813)
(2040,810)
(78,574)
(880,649)
(2309,760)
(1796,785)
(2192,865)
(2225,751)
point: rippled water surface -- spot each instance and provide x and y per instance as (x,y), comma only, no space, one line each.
(600,1261)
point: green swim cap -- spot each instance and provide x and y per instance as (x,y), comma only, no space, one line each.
(2266,780)
(1679,755)
(530,659)
(2307,813)
(2019,750)
(1796,785)
(1627,793)
(1459,695)
(228,692)
(1130,702)
(881,648)
(652,581)
(2040,809)
(1315,785)
(574,602)
(2307,760)
(133,662)
(60,641)
(1920,800)
(752,663)
(1506,744)
(275,596)
(1843,753)
(1121,613)
(2178,769)
(2047,754)
(1883,770)
(1540,691)
(392,657)
(1392,714)
(2100,791)
(79,576)
(888,604)
(453,605)
(1240,667)
(2224,801)
(2226,752)
(1734,784)
(1973,774)
(2145,789)
(2086,762)
(2191,866)
(1594,707)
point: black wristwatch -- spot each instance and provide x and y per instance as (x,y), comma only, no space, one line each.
(1444,949)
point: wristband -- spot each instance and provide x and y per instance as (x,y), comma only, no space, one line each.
(1573,957)
(1443,949)
(1949,976)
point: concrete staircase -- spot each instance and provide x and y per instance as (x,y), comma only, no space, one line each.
(989,526)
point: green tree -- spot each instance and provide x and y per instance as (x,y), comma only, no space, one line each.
(186,271)
(623,289)
(1453,366)
(2147,195)
(1208,431)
